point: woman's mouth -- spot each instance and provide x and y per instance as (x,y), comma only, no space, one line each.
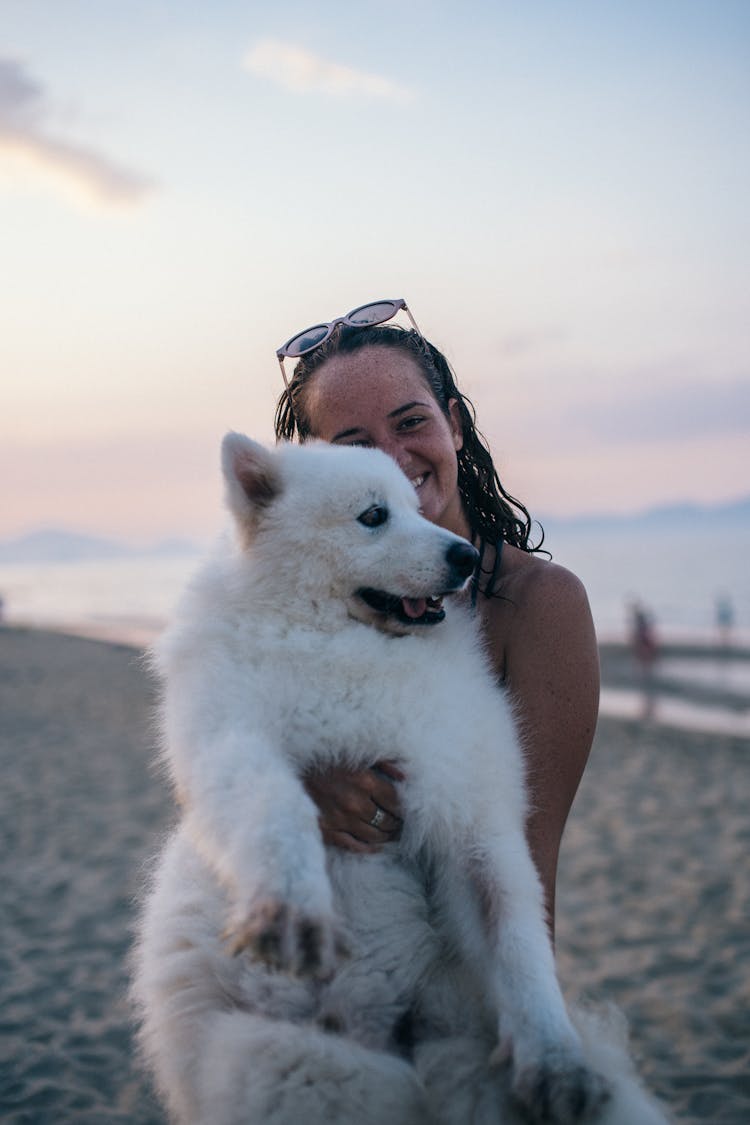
(417,482)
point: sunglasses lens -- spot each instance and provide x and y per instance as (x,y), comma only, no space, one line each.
(372,314)
(307,340)
(376,313)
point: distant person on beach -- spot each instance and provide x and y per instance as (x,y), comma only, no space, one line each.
(645,650)
(724,619)
(359,381)
(643,642)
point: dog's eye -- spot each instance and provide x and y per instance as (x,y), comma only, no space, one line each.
(374,516)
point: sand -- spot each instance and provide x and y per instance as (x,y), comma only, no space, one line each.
(653,899)
(79,814)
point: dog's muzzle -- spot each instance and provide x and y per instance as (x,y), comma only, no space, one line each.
(461,559)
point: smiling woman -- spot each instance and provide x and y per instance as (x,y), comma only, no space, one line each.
(387,387)
(368,360)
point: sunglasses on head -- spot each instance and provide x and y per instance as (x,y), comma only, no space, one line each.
(365,316)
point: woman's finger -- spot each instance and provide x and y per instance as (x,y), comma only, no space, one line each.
(391,769)
(379,819)
(384,794)
(348,842)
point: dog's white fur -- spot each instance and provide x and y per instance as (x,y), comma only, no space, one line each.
(275,665)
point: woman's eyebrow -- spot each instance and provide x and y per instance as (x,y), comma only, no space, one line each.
(347,433)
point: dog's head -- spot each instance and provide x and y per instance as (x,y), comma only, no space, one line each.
(333,526)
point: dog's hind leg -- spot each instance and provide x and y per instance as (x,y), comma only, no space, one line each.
(258,1071)
(462,1088)
(238,1067)
(231,1044)
(215,1064)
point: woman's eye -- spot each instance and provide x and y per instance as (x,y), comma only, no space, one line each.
(374,516)
(411,422)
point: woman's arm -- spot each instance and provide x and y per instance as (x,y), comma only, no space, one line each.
(551,668)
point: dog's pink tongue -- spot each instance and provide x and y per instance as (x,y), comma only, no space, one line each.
(414,607)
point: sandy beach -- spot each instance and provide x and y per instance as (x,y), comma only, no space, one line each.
(653,901)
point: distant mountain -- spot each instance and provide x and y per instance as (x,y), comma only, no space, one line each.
(58,545)
(674,517)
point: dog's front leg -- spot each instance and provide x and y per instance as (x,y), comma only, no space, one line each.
(250,817)
(549,1077)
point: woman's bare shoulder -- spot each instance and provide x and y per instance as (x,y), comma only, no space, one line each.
(537,606)
(531,587)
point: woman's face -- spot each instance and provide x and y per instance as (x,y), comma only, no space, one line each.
(379,397)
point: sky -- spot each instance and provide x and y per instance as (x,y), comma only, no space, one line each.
(558,189)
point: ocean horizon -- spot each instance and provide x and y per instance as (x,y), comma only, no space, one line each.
(675,575)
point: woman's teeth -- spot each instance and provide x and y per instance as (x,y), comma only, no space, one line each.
(417,482)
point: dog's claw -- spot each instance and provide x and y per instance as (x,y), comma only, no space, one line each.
(559,1094)
(286,939)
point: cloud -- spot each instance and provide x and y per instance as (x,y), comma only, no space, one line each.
(522,345)
(25,137)
(18,94)
(624,414)
(679,409)
(302,72)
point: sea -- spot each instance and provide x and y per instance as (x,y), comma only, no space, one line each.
(675,575)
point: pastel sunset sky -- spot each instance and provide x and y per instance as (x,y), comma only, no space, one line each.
(558,189)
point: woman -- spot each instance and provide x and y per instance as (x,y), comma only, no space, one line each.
(359,382)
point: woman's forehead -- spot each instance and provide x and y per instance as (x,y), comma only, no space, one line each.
(371,380)
(386,364)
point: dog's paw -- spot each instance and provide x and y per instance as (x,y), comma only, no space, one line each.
(289,940)
(559,1091)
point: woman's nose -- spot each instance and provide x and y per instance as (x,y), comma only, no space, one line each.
(392,447)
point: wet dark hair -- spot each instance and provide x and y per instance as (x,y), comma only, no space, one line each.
(492,513)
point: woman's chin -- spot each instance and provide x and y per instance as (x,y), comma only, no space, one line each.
(429,508)
(449,516)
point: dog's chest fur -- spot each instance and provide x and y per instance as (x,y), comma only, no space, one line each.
(355,696)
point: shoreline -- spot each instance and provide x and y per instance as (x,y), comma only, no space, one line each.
(662,699)
(141,631)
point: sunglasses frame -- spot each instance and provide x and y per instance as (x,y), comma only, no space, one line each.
(398,304)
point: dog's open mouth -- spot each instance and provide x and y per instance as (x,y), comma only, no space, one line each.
(410,611)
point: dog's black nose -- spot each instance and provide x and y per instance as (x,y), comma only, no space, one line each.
(463,558)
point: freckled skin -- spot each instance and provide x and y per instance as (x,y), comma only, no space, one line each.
(539,629)
(378,397)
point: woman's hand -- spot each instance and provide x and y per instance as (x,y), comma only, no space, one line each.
(359,811)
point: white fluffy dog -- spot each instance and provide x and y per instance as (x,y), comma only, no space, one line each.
(281,982)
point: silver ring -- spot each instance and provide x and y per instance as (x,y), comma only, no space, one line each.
(378,818)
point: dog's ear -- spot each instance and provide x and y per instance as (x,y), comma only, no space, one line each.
(251,474)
